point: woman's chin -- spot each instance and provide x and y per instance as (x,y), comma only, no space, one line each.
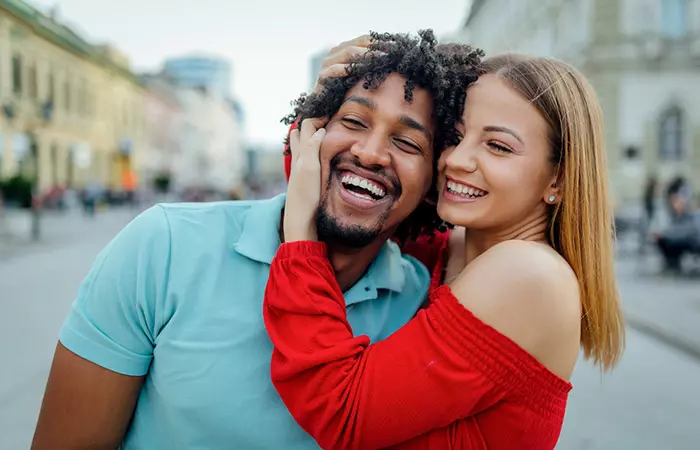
(457,218)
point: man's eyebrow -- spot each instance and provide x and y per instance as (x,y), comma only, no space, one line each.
(411,123)
(362,101)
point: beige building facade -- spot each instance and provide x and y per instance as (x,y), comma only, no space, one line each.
(642,57)
(67,107)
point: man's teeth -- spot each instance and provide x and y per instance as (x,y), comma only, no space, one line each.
(363,183)
(460,189)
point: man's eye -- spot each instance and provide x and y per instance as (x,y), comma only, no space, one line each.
(353,122)
(408,144)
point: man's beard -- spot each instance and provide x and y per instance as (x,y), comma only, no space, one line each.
(332,230)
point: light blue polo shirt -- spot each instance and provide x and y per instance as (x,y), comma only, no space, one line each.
(178,295)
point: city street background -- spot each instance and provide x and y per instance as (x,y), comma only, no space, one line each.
(650,402)
(106,107)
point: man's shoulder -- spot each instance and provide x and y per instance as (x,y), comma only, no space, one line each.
(203,212)
(211,221)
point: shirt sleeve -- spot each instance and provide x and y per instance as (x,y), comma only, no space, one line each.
(436,379)
(113,321)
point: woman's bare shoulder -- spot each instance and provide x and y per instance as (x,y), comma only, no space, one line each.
(528,292)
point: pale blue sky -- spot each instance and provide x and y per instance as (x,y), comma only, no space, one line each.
(268,41)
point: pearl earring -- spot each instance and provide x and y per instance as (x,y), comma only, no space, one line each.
(551,198)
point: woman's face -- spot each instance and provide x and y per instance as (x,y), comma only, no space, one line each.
(499,176)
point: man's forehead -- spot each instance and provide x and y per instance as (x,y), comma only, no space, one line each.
(394,83)
(391,91)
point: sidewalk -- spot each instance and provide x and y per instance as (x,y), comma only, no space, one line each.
(665,307)
(58,228)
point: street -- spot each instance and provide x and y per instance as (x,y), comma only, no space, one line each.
(650,402)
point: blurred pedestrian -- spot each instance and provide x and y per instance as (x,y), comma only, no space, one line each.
(677,186)
(130,185)
(682,235)
(92,195)
(649,210)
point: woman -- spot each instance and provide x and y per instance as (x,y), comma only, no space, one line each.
(527,279)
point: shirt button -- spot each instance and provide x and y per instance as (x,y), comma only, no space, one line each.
(367,288)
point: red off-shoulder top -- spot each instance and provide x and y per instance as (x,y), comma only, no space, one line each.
(445,380)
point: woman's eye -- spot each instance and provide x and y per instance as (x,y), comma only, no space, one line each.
(499,148)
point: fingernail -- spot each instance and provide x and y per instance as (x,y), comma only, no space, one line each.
(320,132)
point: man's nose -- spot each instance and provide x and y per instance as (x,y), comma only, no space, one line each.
(372,151)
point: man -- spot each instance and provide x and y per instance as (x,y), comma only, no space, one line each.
(165,347)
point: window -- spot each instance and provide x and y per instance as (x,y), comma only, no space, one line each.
(32,82)
(84,100)
(671,142)
(67,94)
(54,164)
(17,74)
(52,87)
(673,18)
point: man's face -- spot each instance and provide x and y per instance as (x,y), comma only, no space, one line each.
(376,163)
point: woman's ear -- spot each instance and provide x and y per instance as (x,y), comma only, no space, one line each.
(552,195)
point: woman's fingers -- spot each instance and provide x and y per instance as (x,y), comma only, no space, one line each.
(309,143)
(344,56)
(294,145)
(339,58)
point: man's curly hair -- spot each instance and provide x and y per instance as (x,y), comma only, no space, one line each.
(445,71)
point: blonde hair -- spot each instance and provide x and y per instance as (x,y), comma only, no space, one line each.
(580,226)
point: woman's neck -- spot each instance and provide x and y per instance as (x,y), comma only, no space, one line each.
(468,244)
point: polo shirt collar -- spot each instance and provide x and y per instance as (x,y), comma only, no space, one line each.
(385,273)
(260,235)
(260,239)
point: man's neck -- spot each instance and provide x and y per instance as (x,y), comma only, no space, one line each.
(351,264)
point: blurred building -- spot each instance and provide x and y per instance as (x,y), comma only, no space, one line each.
(72,107)
(195,127)
(265,175)
(643,58)
(201,71)
(315,65)
(164,118)
(211,154)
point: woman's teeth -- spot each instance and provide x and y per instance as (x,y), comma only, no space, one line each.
(363,184)
(465,191)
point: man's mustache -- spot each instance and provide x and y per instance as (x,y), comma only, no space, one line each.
(388,176)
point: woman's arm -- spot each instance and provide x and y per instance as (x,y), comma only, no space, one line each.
(442,366)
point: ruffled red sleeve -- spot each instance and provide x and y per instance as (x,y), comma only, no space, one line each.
(444,380)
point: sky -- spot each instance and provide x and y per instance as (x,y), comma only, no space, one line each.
(269,42)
